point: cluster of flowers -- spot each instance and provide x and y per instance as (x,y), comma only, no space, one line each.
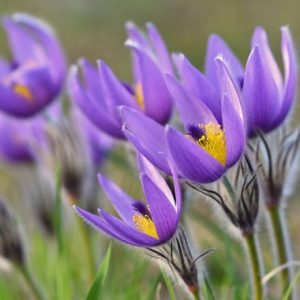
(221,111)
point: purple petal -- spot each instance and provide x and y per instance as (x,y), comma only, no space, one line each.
(198,85)
(162,211)
(261,99)
(234,132)
(157,100)
(290,74)
(191,160)
(162,54)
(102,224)
(227,86)
(216,46)
(260,40)
(121,201)
(147,136)
(137,238)
(191,110)
(94,111)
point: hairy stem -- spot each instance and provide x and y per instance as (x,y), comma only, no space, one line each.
(281,242)
(252,250)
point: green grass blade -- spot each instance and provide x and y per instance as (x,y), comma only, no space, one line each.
(209,295)
(153,289)
(290,288)
(95,290)
(169,286)
(58,211)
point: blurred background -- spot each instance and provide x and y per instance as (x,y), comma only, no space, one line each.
(95,29)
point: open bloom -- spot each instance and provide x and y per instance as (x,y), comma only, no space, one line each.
(267,98)
(100,93)
(34,77)
(207,147)
(144,224)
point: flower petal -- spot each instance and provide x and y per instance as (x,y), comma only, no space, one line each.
(290,74)
(198,85)
(261,99)
(260,40)
(191,160)
(121,201)
(234,132)
(94,111)
(156,97)
(160,48)
(216,47)
(147,136)
(163,212)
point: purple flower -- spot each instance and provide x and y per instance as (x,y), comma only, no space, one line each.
(267,98)
(142,224)
(17,139)
(100,93)
(207,147)
(36,73)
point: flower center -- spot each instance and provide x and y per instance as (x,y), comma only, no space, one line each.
(23,91)
(211,138)
(139,96)
(145,225)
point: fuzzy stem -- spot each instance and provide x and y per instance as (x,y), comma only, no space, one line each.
(281,241)
(32,283)
(252,249)
(196,294)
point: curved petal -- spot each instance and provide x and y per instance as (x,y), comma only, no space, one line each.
(191,160)
(199,85)
(158,44)
(163,212)
(260,40)
(121,201)
(216,47)
(156,97)
(261,99)
(191,110)
(139,238)
(147,136)
(290,74)
(97,114)
(146,167)
(227,85)
(100,223)
(234,132)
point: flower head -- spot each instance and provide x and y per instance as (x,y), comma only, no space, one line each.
(100,92)
(36,73)
(267,97)
(210,142)
(143,224)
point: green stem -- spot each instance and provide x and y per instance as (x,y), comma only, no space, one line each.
(86,244)
(196,294)
(32,283)
(252,249)
(281,243)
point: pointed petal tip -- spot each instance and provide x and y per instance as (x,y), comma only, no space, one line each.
(130,25)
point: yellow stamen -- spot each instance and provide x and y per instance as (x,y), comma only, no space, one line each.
(213,141)
(23,91)
(145,224)
(139,96)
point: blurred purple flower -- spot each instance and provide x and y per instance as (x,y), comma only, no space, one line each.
(17,139)
(142,224)
(207,147)
(267,98)
(100,93)
(36,73)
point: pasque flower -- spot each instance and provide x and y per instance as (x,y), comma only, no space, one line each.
(100,92)
(35,75)
(144,224)
(17,138)
(267,95)
(207,147)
